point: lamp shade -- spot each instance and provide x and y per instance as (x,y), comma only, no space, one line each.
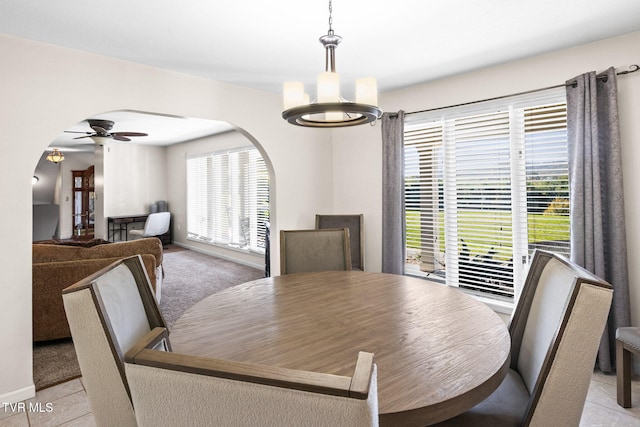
(101,140)
(293,94)
(328,87)
(367,91)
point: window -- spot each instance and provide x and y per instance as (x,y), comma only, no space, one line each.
(486,184)
(228,199)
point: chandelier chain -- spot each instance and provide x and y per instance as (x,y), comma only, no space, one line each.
(330,17)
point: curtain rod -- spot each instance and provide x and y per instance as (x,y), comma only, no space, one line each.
(632,69)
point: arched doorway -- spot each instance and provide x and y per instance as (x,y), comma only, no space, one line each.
(132,175)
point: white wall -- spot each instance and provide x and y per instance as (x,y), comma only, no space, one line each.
(311,174)
(357,154)
(61,87)
(177,176)
(357,167)
(133,177)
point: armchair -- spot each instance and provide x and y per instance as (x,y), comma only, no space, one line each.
(172,389)
(108,312)
(555,333)
(156,225)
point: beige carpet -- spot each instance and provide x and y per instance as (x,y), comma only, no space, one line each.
(189,277)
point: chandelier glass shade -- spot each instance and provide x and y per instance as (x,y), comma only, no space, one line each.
(330,109)
(55,156)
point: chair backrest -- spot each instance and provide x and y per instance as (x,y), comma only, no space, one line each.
(157,224)
(555,334)
(314,250)
(170,389)
(108,312)
(355,224)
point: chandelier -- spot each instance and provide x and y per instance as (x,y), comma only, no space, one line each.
(330,109)
(55,156)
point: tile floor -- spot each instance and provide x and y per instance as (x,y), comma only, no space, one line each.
(63,405)
(67,405)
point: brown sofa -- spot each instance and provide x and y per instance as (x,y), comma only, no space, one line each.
(57,266)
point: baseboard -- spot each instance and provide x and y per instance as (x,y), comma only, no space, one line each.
(216,254)
(18,395)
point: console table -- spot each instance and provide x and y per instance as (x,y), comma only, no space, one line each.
(118,224)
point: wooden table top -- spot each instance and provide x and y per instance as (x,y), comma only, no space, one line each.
(439,352)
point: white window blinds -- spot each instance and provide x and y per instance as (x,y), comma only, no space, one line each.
(484,186)
(228,199)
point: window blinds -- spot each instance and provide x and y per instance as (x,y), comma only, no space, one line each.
(228,199)
(484,186)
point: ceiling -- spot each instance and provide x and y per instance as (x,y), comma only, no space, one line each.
(260,44)
(161,130)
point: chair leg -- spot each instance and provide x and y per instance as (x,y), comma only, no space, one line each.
(624,360)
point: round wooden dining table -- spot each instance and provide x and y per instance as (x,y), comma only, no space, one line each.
(439,351)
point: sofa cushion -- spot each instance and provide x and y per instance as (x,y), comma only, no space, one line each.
(56,252)
(57,266)
(50,278)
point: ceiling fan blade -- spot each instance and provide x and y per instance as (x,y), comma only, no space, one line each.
(129,134)
(100,130)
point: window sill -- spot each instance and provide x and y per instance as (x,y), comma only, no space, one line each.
(227,247)
(498,305)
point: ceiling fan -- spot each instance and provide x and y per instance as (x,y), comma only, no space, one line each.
(102,127)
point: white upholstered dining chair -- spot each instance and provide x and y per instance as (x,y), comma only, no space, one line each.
(108,312)
(170,389)
(555,333)
(303,251)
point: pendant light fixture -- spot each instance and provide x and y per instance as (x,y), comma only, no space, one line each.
(55,156)
(330,109)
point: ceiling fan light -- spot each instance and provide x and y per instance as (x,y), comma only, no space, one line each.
(100,140)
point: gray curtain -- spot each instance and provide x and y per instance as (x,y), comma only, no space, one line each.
(598,237)
(393,236)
